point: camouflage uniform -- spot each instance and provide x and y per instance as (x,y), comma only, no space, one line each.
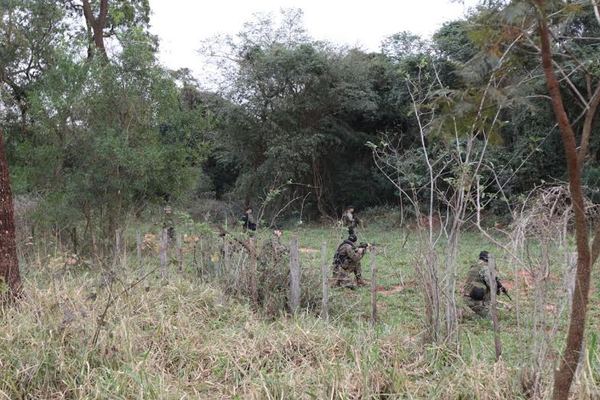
(478,286)
(350,221)
(346,260)
(168,224)
(248,221)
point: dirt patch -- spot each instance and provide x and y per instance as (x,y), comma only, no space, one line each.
(307,250)
(367,283)
(524,281)
(393,290)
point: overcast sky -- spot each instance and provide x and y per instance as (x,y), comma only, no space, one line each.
(182,24)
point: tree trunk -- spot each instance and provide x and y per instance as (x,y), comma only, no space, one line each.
(97,25)
(9,263)
(563,377)
(162,252)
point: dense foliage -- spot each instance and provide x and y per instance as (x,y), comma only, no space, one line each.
(96,138)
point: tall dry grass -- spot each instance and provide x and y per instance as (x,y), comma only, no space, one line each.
(188,338)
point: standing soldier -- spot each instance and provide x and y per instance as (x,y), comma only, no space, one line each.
(477,289)
(349,220)
(346,260)
(248,221)
(168,223)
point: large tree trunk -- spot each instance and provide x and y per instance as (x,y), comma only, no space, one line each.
(9,263)
(97,25)
(563,377)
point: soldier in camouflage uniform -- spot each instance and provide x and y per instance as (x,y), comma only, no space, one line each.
(346,260)
(476,292)
(248,221)
(349,220)
(168,224)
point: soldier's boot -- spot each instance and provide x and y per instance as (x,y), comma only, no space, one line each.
(336,275)
(348,284)
(479,308)
(343,280)
(483,311)
(468,310)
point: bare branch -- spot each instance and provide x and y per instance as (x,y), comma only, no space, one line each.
(587,126)
(596,10)
(566,77)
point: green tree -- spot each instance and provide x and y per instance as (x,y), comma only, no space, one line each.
(105,136)
(298,112)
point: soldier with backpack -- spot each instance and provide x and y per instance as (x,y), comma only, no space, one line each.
(477,289)
(347,260)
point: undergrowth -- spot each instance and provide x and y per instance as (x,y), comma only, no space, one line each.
(185,337)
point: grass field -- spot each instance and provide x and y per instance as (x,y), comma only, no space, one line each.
(184,338)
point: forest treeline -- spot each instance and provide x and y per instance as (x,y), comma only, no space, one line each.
(96,128)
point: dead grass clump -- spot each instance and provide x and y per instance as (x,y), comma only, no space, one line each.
(182,339)
(271,279)
(482,381)
(541,244)
(186,339)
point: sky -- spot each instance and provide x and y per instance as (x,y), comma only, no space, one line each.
(181,25)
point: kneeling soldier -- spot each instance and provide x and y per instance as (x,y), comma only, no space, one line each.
(477,290)
(346,260)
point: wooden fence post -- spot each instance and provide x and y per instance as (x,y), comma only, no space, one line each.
(163,252)
(124,241)
(94,246)
(294,276)
(201,243)
(75,240)
(138,245)
(179,253)
(373,287)
(226,256)
(253,270)
(325,276)
(117,247)
(493,309)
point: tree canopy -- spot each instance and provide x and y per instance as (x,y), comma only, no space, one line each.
(99,137)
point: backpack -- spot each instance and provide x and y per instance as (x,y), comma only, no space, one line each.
(477,293)
(338,258)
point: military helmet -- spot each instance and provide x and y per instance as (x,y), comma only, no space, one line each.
(484,256)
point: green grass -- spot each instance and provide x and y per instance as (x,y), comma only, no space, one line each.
(184,338)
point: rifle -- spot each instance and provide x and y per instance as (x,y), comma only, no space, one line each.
(366,246)
(501,289)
